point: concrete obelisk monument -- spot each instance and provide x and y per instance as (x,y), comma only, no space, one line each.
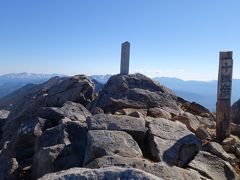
(125,54)
(223,116)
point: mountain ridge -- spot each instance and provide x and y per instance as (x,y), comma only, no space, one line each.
(202,92)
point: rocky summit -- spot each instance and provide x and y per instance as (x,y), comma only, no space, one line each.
(130,128)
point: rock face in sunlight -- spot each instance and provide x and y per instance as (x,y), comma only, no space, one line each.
(133,128)
(133,91)
(236,112)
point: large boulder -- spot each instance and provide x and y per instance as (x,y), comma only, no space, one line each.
(204,116)
(61,147)
(213,167)
(26,137)
(172,142)
(216,149)
(236,112)
(78,89)
(158,169)
(54,93)
(133,126)
(8,165)
(100,174)
(103,142)
(133,91)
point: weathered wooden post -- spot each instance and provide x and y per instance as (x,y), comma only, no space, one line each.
(125,53)
(223,109)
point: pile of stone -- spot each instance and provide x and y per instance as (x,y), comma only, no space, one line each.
(134,128)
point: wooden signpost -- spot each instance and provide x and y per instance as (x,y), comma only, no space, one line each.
(223,109)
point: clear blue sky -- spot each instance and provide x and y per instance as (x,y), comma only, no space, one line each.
(178,38)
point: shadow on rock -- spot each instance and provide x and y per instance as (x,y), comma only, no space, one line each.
(182,152)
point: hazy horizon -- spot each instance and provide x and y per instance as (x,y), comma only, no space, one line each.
(111,75)
(168,38)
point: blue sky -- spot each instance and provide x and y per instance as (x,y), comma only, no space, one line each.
(168,37)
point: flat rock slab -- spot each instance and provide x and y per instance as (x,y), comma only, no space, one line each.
(102,142)
(133,126)
(172,142)
(110,173)
(158,169)
(71,110)
(213,167)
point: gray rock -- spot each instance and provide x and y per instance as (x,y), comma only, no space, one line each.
(197,109)
(97,110)
(59,148)
(71,110)
(77,89)
(159,113)
(228,145)
(207,122)
(103,142)
(133,126)
(202,134)
(172,142)
(100,174)
(26,137)
(54,92)
(44,160)
(237,150)
(236,112)
(158,169)
(128,111)
(4,114)
(213,167)
(136,114)
(235,129)
(133,91)
(189,120)
(216,149)
(9,164)
(8,169)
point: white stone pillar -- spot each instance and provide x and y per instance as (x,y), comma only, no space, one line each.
(125,54)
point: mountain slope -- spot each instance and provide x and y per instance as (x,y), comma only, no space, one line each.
(11,82)
(202,92)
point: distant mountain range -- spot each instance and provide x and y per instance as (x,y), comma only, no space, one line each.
(11,82)
(201,92)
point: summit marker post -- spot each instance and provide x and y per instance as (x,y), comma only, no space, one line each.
(125,54)
(223,109)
